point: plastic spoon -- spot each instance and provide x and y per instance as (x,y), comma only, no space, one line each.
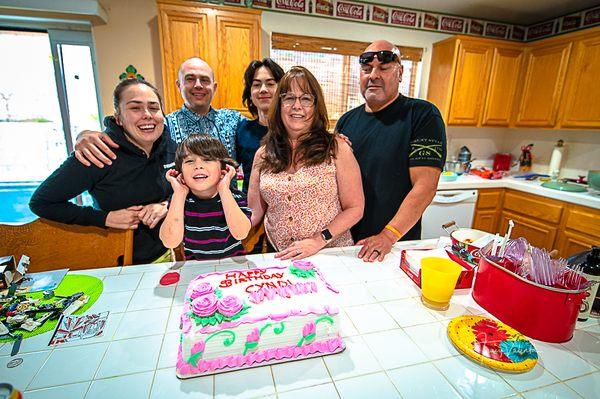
(511,224)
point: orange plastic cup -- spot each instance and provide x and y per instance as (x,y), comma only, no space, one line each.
(438,279)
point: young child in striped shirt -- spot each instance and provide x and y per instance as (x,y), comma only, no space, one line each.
(205,213)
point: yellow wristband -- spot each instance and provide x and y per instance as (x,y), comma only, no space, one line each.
(393,230)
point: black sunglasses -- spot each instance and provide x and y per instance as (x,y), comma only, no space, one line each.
(384,56)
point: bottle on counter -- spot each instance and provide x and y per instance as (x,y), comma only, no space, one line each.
(556,159)
(591,271)
(526,158)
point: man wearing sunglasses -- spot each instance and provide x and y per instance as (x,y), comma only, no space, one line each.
(400,146)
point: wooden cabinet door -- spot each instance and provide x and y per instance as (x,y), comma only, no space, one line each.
(184,33)
(581,104)
(506,66)
(538,234)
(569,243)
(238,43)
(544,75)
(470,83)
(486,220)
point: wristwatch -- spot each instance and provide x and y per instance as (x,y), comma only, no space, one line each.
(326,234)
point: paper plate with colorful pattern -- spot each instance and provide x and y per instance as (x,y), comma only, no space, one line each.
(492,343)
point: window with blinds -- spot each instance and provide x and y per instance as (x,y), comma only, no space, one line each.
(335,65)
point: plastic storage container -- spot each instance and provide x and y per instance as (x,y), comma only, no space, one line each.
(537,311)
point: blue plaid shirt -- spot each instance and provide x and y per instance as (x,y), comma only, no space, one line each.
(219,123)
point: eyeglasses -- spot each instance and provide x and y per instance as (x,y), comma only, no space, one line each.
(289,99)
(384,56)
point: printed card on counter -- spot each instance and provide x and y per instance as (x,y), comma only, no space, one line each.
(75,328)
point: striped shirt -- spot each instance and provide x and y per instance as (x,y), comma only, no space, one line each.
(206,235)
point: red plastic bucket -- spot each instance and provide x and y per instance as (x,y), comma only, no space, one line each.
(537,311)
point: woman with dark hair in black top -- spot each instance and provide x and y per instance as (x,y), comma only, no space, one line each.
(132,192)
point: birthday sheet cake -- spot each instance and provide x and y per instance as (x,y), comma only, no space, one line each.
(244,318)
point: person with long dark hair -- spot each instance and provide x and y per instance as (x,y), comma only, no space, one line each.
(260,84)
(305,180)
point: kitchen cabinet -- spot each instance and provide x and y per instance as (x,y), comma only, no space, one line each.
(471,79)
(228,38)
(550,83)
(580,105)
(468,93)
(487,210)
(543,78)
(506,64)
(538,233)
(544,222)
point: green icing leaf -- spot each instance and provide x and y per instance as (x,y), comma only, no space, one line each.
(302,273)
(193,360)
(219,293)
(310,337)
(218,318)
(251,345)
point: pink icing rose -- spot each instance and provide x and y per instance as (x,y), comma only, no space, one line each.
(308,329)
(303,265)
(205,306)
(201,289)
(198,347)
(253,336)
(229,306)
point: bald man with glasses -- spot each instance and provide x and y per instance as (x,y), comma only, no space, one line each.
(400,145)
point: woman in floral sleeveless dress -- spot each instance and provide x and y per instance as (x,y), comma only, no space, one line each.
(305,181)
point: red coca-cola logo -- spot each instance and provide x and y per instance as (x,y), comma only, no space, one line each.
(452,24)
(591,17)
(430,21)
(476,28)
(496,30)
(379,14)
(349,10)
(570,22)
(324,7)
(544,29)
(405,18)
(294,5)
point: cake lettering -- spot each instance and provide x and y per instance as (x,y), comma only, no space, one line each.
(285,291)
(246,276)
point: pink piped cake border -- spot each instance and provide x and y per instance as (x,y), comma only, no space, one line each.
(258,358)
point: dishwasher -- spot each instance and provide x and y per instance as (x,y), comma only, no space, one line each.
(447,205)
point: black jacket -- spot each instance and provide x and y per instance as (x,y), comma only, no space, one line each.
(132,179)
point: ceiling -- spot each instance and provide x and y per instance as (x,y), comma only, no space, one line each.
(521,12)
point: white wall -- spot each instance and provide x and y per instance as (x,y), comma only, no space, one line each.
(345,30)
(582,148)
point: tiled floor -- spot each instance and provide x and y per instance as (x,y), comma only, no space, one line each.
(396,348)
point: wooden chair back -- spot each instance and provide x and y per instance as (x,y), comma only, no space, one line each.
(51,245)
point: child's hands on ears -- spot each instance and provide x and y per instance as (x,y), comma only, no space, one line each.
(177,183)
(226,176)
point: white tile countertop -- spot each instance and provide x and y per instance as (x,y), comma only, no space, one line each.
(135,358)
(532,187)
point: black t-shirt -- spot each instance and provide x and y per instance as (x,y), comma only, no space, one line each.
(247,141)
(408,132)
